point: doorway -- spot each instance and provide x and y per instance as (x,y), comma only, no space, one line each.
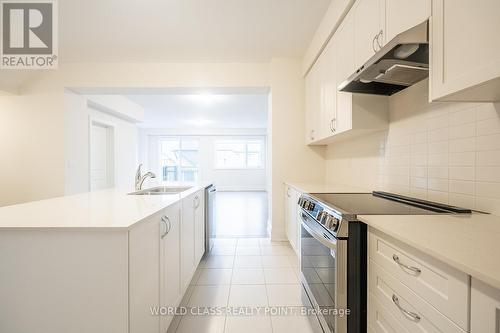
(101,156)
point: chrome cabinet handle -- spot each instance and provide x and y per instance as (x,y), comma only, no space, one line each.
(373,43)
(410,268)
(168,226)
(380,35)
(332,128)
(411,315)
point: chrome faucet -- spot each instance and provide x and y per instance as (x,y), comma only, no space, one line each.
(139,179)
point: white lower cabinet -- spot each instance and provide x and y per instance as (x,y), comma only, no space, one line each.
(199,226)
(413,290)
(192,235)
(164,252)
(292,217)
(170,243)
(485,308)
(154,270)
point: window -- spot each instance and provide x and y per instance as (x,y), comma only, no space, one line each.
(239,154)
(179,159)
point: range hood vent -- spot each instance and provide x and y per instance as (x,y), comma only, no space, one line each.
(401,63)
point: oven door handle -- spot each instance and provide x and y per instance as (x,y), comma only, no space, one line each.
(322,238)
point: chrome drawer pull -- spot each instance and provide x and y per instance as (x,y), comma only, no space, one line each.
(412,315)
(168,226)
(410,268)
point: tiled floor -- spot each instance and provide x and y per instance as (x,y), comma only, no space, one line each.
(241,214)
(245,272)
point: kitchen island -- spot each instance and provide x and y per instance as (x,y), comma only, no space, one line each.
(98,261)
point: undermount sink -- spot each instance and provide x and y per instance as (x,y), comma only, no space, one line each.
(162,190)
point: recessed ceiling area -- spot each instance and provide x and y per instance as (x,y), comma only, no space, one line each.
(186,30)
(203,110)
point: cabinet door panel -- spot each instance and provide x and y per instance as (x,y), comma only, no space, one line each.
(313,97)
(144,275)
(199,227)
(328,110)
(187,240)
(401,15)
(170,284)
(367,25)
(345,67)
(465,49)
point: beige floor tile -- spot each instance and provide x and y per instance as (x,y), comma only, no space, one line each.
(201,324)
(248,251)
(248,295)
(248,276)
(278,250)
(285,294)
(223,250)
(280,276)
(217,262)
(293,324)
(248,324)
(209,296)
(275,261)
(244,242)
(248,262)
(215,276)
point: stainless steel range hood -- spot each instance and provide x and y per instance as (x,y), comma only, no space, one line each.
(401,63)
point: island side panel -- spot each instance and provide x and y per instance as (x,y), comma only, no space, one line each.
(63,280)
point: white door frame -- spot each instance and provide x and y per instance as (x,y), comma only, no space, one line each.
(111,142)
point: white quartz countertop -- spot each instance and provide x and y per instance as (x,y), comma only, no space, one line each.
(326,188)
(470,243)
(112,208)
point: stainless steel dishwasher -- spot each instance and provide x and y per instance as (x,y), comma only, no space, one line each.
(210,194)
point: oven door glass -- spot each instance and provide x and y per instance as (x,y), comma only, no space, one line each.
(318,268)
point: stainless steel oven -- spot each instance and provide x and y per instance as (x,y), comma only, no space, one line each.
(334,254)
(324,273)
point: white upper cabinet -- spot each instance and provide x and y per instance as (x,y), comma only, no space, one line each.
(376,22)
(313,99)
(368,27)
(345,66)
(465,50)
(328,90)
(401,15)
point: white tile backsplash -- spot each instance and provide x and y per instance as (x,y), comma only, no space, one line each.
(445,152)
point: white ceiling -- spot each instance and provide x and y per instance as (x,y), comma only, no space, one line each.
(186,30)
(204,110)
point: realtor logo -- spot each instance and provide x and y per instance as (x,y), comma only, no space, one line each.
(29,34)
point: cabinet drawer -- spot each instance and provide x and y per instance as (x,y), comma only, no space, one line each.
(444,287)
(403,306)
(380,320)
(485,308)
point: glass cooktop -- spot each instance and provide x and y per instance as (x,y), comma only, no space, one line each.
(382,203)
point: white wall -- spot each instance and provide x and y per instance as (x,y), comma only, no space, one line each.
(31,147)
(445,152)
(78,116)
(292,160)
(225,179)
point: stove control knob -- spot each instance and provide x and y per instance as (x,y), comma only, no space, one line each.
(320,216)
(332,223)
